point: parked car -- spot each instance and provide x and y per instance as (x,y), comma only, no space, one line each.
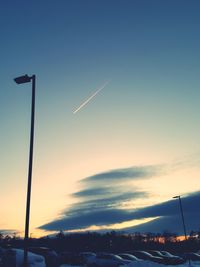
(2,250)
(15,257)
(51,257)
(175,257)
(86,256)
(191,256)
(8,257)
(146,256)
(72,258)
(33,259)
(1,255)
(130,257)
(168,259)
(106,260)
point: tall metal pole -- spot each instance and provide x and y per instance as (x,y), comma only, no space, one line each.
(183,220)
(28,199)
(182,217)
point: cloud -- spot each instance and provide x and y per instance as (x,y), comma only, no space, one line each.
(109,189)
(104,198)
(104,203)
(104,194)
(146,171)
(98,191)
(113,192)
(170,216)
(171,207)
(138,172)
(84,220)
(172,224)
(167,211)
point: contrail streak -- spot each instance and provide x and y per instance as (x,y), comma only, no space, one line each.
(90,98)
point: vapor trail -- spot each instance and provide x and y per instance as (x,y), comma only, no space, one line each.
(92,96)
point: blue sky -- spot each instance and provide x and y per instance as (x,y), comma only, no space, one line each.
(147,116)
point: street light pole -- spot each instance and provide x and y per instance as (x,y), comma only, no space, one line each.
(20,80)
(183,220)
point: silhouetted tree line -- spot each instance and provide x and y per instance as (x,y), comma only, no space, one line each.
(109,242)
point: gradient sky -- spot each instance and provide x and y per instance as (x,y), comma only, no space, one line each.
(119,160)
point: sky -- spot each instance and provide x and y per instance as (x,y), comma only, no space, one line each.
(117,162)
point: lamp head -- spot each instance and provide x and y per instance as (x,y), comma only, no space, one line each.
(23,79)
(176,197)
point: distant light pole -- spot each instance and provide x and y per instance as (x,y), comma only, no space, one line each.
(20,80)
(183,220)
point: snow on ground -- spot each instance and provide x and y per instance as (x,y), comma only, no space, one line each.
(33,259)
(150,264)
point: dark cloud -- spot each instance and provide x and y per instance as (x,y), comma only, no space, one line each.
(119,199)
(110,189)
(168,213)
(83,220)
(137,172)
(99,211)
(106,191)
(103,200)
(98,191)
(169,223)
(170,216)
(171,207)
(104,203)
